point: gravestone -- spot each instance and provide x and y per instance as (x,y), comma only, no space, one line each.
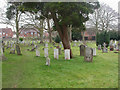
(111,45)
(67,54)
(46,45)
(94,51)
(104,50)
(117,48)
(8,45)
(111,48)
(82,50)
(46,52)
(12,51)
(61,44)
(2,55)
(99,47)
(88,54)
(47,61)
(33,48)
(56,53)
(74,43)
(59,49)
(37,51)
(111,42)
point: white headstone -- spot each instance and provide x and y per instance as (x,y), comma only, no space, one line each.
(94,51)
(46,45)
(1,51)
(37,52)
(56,53)
(67,54)
(45,52)
(47,61)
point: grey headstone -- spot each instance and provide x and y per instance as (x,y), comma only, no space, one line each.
(88,54)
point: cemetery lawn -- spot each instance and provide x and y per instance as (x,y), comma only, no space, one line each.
(29,71)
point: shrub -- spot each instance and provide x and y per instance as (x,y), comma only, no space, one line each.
(102,37)
(21,39)
(57,39)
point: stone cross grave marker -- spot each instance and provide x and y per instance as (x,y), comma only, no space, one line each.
(104,50)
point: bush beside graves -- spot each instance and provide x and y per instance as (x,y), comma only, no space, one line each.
(21,39)
(57,39)
(102,37)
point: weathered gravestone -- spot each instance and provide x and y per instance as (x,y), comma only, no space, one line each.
(111,48)
(104,50)
(67,54)
(99,47)
(88,54)
(56,53)
(2,57)
(117,48)
(111,45)
(46,52)
(3,46)
(46,45)
(119,45)
(47,61)
(37,51)
(8,45)
(94,51)
(12,51)
(33,48)
(59,49)
(82,50)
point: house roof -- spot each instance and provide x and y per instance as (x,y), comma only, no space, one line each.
(6,30)
(90,32)
(29,30)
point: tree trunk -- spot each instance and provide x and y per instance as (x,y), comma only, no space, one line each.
(18,49)
(17,34)
(65,39)
(41,37)
(84,37)
(41,32)
(70,33)
(63,33)
(50,36)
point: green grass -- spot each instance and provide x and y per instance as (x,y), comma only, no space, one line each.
(28,71)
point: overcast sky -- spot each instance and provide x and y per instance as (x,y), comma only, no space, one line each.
(112,3)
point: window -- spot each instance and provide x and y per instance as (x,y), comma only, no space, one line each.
(31,33)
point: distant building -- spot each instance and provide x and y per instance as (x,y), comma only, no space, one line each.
(29,32)
(6,33)
(89,34)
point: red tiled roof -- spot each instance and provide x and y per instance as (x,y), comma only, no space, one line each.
(6,30)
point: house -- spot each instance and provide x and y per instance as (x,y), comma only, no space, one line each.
(6,33)
(89,34)
(29,32)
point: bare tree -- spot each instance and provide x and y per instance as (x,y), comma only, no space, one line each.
(103,18)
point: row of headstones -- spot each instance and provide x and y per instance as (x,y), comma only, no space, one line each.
(112,47)
(87,52)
